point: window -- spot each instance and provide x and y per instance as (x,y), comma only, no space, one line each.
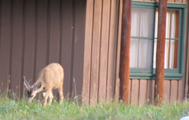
(144,27)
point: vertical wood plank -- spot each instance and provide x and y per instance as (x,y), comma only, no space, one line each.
(130,84)
(66,43)
(167,90)
(147,0)
(95,51)
(174,90)
(41,37)
(41,51)
(5,39)
(29,40)
(178,1)
(180,90)
(104,51)
(79,33)
(135,91)
(117,91)
(170,1)
(54,26)
(112,50)
(185,1)
(143,92)
(17,41)
(150,91)
(54,35)
(87,51)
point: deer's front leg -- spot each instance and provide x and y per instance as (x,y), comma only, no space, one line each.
(50,98)
(46,97)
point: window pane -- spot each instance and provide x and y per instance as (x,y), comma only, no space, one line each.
(171,46)
(134,53)
(142,22)
(135,22)
(145,53)
(173,54)
(155,49)
(168,23)
(166,56)
(142,25)
(141,53)
(175,24)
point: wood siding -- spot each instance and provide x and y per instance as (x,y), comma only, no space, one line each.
(34,33)
(169,1)
(100,51)
(102,40)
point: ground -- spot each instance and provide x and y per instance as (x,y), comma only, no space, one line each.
(11,109)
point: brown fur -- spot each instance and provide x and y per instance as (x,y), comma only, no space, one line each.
(51,77)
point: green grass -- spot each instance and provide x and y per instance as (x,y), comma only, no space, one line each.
(20,110)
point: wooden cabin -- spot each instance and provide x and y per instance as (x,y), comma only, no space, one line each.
(101,79)
(84,36)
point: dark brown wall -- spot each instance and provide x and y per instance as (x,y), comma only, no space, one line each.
(34,33)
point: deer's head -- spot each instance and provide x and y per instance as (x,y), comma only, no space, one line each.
(31,91)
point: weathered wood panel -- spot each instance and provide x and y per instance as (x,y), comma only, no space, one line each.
(184,1)
(54,31)
(78,51)
(112,50)
(104,50)
(135,91)
(167,85)
(143,92)
(180,90)
(87,52)
(174,90)
(148,0)
(5,40)
(16,46)
(150,91)
(117,86)
(29,40)
(34,33)
(67,41)
(170,1)
(178,1)
(41,36)
(96,51)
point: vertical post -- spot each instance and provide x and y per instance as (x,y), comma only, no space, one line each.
(186,82)
(159,83)
(125,51)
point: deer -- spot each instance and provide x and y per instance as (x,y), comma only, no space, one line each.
(51,77)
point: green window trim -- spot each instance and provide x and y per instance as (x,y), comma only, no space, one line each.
(176,74)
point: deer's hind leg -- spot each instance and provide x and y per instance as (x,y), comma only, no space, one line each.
(61,94)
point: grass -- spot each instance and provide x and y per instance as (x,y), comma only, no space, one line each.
(20,110)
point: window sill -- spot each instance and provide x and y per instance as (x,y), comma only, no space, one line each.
(167,76)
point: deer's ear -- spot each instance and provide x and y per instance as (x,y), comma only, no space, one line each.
(26,84)
(37,86)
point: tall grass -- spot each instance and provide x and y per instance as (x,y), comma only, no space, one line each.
(19,110)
